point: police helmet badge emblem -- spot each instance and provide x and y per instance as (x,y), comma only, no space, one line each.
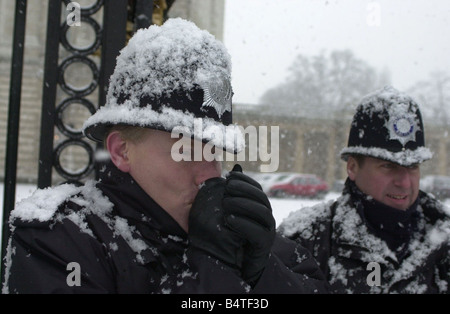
(217,93)
(402,126)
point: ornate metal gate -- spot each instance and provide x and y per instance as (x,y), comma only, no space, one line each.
(109,38)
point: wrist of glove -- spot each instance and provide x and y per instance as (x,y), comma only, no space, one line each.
(231,219)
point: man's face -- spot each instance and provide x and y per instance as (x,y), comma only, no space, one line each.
(387,182)
(173,185)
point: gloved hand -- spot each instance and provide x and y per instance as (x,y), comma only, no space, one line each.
(208,231)
(232,220)
(249,214)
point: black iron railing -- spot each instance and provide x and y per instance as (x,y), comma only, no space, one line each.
(12,139)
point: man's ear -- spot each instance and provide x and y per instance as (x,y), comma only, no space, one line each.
(352,168)
(118,148)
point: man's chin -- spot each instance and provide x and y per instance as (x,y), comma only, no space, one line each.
(401,204)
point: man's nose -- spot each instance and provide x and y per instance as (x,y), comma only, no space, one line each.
(403,177)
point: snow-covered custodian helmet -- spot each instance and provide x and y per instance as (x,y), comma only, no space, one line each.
(168,76)
(388,125)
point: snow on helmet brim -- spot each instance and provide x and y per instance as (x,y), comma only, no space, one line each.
(403,158)
(207,130)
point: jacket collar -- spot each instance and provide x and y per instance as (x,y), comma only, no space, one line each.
(356,241)
(353,237)
(134,204)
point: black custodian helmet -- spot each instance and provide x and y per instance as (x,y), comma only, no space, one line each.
(388,125)
(171,76)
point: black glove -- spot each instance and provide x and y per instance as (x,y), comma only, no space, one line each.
(232,220)
(249,214)
(207,228)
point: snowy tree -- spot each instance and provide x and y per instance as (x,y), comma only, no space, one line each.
(325,85)
(433,94)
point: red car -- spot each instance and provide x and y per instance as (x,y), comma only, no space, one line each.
(300,185)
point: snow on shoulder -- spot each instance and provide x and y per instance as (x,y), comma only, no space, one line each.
(302,220)
(43,203)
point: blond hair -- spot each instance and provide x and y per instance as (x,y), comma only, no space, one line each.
(128,132)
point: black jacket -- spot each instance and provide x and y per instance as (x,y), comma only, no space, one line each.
(344,248)
(121,241)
